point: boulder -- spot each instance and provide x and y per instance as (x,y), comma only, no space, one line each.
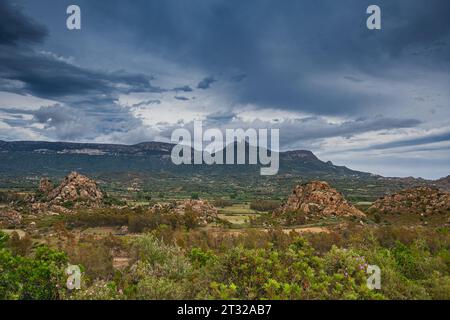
(45,186)
(10,218)
(420,200)
(318,199)
(75,188)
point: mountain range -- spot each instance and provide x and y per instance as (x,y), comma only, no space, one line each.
(148,166)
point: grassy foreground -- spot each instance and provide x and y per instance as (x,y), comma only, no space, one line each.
(177,262)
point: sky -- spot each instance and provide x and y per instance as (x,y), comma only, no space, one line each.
(373,100)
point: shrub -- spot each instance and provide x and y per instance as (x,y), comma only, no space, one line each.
(31,278)
(190,218)
(195,196)
(222,203)
(95,258)
(264,205)
(99,290)
(201,258)
(19,246)
(112,201)
(99,218)
(160,288)
(68,204)
(160,271)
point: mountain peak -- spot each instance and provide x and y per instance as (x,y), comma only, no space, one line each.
(301,154)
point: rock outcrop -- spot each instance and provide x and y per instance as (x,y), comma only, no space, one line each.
(45,186)
(75,189)
(201,207)
(318,199)
(419,200)
(10,218)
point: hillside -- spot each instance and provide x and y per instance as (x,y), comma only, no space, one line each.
(148,167)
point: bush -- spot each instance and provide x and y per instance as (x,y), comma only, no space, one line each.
(99,218)
(160,271)
(19,246)
(160,288)
(160,257)
(111,201)
(251,264)
(99,290)
(264,205)
(222,203)
(195,196)
(31,278)
(294,273)
(95,259)
(201,258)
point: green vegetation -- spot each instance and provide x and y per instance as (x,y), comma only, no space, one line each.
(154,177)
(173,263)
(137,220)
(264,205)
(222,203)
(139,245)
(31,277)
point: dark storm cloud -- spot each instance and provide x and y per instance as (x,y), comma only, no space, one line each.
(315,57)
(44,75)
(67,123)
(221,118)
(15,27)
(54,116)
(284,47)
(88,97)
(49,76)
(305,130)
(316,128)
(146,103)
(184,89)
(418,141)
(206,83)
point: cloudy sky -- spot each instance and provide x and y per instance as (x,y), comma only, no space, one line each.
(376,101)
